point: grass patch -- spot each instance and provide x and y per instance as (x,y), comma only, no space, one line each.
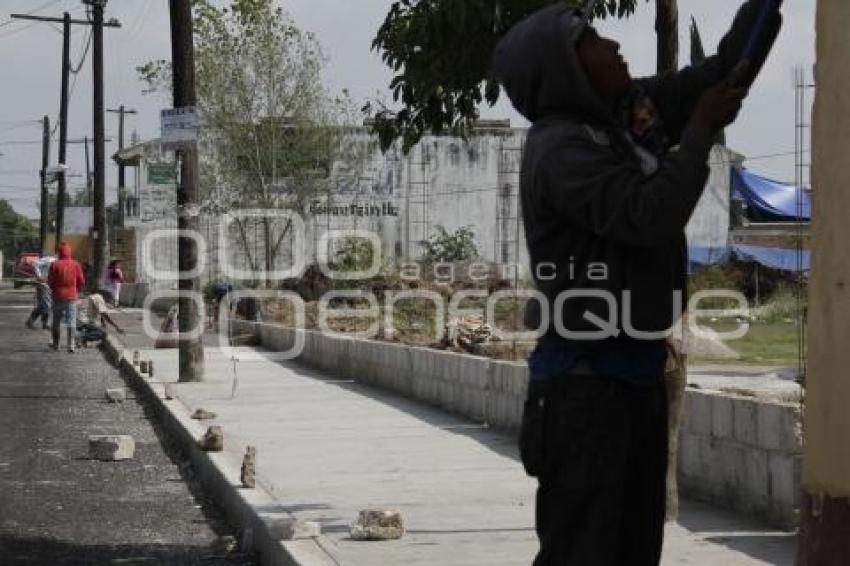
(768,344)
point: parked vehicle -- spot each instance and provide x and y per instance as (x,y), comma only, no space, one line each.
(29,266)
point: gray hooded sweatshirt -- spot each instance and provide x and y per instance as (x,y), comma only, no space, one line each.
(597,216)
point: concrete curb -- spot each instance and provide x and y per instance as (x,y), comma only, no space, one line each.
(251,511)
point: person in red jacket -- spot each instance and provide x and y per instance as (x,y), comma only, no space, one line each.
(65,279)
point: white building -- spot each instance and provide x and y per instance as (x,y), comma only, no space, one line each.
(444,180)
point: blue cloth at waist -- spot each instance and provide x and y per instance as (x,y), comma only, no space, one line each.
(636,362)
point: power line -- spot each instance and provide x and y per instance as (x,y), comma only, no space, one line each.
(33,11)
(83,56)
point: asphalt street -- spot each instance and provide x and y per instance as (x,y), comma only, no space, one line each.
(59,507)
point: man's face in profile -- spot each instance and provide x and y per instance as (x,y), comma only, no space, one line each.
(606,70)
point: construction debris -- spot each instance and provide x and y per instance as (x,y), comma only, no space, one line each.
(248,475)
(468,333)
(111,448)
(116,395)
(213,439)
(374,524)
(203,415)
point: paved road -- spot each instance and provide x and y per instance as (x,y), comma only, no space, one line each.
(59,507)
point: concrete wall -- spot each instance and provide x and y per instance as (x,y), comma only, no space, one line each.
(736,452)
(742,453)
(444,181)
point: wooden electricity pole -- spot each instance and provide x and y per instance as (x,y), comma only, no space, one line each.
(97,24)
(121,111)
(62,189)
(667,35)
(44,216)
(183,71)
(99,230)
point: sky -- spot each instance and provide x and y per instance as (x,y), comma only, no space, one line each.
(30,55)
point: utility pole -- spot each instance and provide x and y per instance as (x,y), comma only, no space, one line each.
(183,70)
(66,22)
(99,229)
(88,171)
(45,163)
(121,111)
(667,35)
(63,129)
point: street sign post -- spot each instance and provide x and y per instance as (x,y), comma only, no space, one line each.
(179,128)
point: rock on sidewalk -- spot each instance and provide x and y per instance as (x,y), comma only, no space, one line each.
(374,524)
(111,448)
(203,415)
(249,468)
(213,440)
(116,395)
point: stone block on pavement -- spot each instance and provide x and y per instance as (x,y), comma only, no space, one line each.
(116,395)
(111,448)
(203,415)
(213,439)
(374,524)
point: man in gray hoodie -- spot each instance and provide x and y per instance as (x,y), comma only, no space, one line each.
(612,171)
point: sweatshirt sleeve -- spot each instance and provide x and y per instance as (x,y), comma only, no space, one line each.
(676,94)
(596,190)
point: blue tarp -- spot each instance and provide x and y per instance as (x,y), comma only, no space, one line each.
(774,258)
(770,201)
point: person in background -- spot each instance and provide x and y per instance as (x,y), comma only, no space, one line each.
(65,279)
(114,278)
(219,291)
(43,304)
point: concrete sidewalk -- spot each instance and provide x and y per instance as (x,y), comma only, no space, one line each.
(328,448)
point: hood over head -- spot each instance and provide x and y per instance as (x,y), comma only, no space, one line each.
(539,68)
(65,250)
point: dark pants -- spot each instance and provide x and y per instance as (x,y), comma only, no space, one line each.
(599,449)
(40,312)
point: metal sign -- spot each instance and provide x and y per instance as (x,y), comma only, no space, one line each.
(179,128)
(162,174)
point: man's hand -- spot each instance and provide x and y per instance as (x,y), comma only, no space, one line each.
(719,105)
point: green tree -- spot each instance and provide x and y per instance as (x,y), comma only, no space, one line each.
(440,52)
(17,233)
(271,131)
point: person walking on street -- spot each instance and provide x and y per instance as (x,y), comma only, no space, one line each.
(43,304)
(65,279)
(115,278)
(605,203)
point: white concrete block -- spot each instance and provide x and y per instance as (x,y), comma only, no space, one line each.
(780,427)
(689,455)
(111,448)
(784,478)
(745,421)
(722,424)
(757,475)
(697,415)
(116,395)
